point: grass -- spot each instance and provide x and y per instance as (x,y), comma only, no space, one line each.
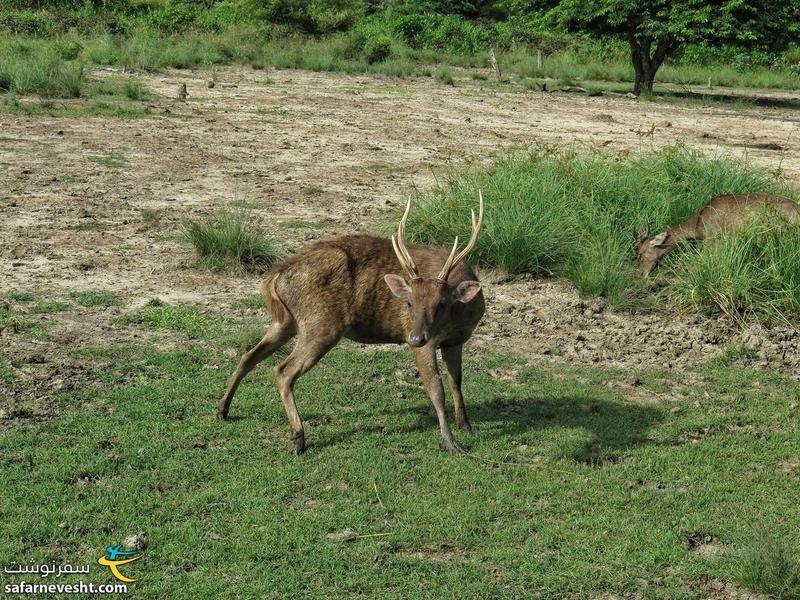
(770,567)
(91,299)
(112,161)
(230,240)
(573,214)
(755,271)
(54,67)
(571,488)
(77,108)
(186,320)
(444,76)
(151,216)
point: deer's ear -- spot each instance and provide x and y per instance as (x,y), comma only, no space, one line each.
(467,290)
(659,239)
(398,285)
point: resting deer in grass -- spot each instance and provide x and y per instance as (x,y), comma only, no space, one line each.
(720,214)
(349,287)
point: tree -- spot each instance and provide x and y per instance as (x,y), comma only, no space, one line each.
(656,29)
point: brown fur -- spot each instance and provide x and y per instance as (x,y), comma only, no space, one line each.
(720,214)
(335,288)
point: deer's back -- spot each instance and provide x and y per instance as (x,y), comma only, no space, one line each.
(341,280)
(733,211)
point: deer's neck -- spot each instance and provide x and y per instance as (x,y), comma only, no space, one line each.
(686,231)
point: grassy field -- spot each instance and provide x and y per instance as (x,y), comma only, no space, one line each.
(577,481)
(53,67)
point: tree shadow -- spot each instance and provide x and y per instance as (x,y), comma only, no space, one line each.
(761,101)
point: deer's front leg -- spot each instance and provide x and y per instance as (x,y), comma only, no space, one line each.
(429,371)
(452,360)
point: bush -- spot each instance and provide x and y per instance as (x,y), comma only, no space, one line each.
(230,240)
(378,49)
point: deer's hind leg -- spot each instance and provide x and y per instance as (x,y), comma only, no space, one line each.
(277,335)
(310,348)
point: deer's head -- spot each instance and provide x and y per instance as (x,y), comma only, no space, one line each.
(650,250)
(430,300)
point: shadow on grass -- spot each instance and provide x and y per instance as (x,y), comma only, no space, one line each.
(612,427)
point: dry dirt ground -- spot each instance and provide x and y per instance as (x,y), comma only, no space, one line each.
(313,154)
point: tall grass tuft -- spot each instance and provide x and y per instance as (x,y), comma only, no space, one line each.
(769,567)
(574,214)
(754,271)
(231,241)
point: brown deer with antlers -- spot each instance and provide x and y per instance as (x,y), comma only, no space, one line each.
(348,287)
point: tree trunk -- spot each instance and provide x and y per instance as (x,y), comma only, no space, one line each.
(645,63)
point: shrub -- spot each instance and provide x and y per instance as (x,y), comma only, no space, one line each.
(378,49)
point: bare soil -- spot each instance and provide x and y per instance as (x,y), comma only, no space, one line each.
(312,155)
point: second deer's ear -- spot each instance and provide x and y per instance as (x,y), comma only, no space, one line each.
(398,285)
(659,239)
(467,290)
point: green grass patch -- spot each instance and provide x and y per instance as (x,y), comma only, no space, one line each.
(571,488)
(178,318)
(769,566)
(444,76)
(21,296)
(254,302)
(231,240)
(72,179)
(90,299)
(50,306)
(573,214)
(112,161)
(77,108)
(16,320)
(151,216)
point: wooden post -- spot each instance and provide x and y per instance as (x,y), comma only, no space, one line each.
(494,63)
(539,60)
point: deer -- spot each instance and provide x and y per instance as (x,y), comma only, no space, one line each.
(723,213)
(349,286)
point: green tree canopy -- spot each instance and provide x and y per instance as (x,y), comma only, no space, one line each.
(656,29)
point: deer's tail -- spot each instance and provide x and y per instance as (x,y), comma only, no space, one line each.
(277,308)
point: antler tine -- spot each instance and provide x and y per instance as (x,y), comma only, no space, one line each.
(400,245)
(476,227)
(448,264)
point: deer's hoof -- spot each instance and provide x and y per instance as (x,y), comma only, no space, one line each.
(465,426)
(450,445)
(299,444)
(222,415)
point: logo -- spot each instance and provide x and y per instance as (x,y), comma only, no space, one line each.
(112,562)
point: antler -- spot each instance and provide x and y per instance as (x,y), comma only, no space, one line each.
(399,245)
(454,259)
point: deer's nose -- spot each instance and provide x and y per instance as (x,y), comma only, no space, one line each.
(417,340)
